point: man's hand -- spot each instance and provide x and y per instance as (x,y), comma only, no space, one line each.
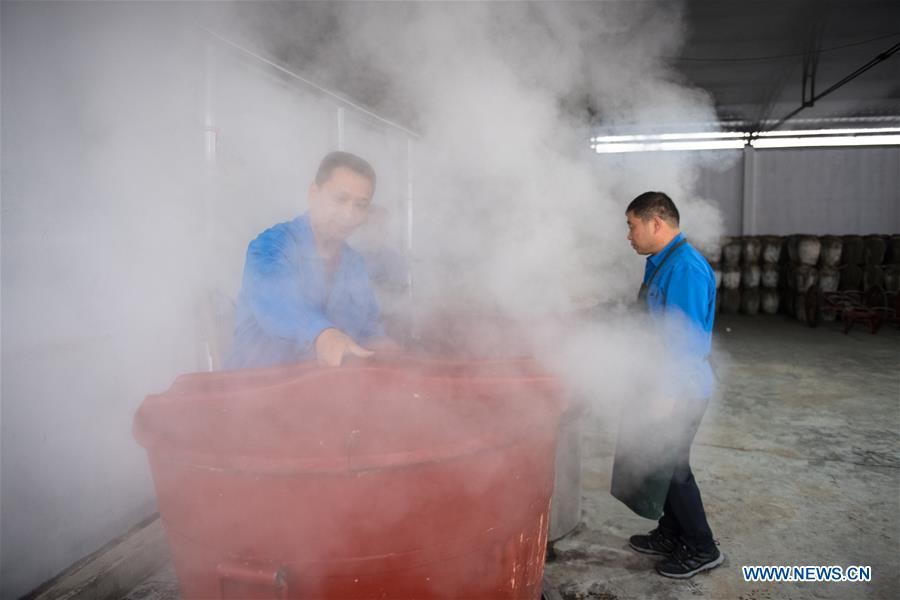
(333,345)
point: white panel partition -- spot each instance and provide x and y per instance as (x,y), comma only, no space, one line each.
(847,190)
(852,190)
(722,184)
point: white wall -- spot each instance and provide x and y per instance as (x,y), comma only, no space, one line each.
(721,181)
(115,227)
(95,309)
(849,190)
(827,191)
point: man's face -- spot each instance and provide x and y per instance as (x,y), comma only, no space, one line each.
(339,205)
(642,234)
(373,235)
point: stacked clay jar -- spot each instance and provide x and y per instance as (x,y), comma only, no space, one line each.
(770,274)
(765,274)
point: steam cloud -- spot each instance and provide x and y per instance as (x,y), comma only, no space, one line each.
(514,214)
(507,183)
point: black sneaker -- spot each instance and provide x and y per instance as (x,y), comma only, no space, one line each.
(655,542)
(684,563)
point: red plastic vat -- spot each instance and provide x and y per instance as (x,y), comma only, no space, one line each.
(414,479)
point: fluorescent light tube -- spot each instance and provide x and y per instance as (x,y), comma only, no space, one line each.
(827,132)
(652,147)
(711,135)
(810,142)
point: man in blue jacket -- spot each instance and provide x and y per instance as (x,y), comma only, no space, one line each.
(305,293)
(679,292)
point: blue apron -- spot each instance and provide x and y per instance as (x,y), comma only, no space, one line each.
(644,461)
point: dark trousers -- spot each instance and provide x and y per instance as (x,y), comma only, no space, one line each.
(683,514)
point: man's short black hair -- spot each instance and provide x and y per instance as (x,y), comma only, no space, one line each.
(333,160)
(654,204)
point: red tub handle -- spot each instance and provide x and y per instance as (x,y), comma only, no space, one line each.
(251,573)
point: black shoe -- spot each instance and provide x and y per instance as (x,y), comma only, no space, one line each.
(684,563)
(656,542)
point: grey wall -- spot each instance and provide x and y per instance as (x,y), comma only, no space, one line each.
(826,190)
(721,182)
(849,190)
(116,227)
(95,309)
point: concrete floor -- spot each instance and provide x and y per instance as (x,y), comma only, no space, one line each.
(798,460)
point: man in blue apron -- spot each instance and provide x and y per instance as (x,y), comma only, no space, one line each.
(306,294)
(652,473)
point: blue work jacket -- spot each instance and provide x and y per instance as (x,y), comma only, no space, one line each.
(286,300)
(682,299)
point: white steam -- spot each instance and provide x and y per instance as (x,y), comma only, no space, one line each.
(116,226)
(508,192)
(514,213)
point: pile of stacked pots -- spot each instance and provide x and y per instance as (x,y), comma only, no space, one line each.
(747,273)
(812,269)
(891,268)
(871,261)
(765,274)
(751,249)
(730,292)
(712,252)
(852,263)
(770,274)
